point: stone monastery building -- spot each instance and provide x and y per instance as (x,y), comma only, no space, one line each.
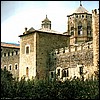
(48,54)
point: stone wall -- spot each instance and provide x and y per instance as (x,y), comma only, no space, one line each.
(46,42)
(95,26)
(11,59)
(27,60)
(72,56)
(40,44)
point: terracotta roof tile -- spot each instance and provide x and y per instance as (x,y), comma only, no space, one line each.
(10,45)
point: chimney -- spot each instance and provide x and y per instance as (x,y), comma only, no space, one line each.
(25,30)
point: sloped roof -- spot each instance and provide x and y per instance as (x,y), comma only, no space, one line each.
(46,19)
(48,30)
(31,29)
(81,9)
(13,45)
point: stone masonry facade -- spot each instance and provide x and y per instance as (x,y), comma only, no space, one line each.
(72,56)
(10,58)
(95,26)
(45,53)
(85,54)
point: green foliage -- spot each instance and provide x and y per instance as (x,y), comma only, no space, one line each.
(42,89)
(6,83)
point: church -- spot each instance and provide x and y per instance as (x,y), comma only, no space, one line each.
(35,56)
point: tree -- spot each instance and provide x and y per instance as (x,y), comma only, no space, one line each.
(6,83)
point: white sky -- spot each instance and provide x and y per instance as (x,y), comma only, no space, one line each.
(16,15)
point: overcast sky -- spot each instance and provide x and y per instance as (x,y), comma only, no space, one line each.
(16,15)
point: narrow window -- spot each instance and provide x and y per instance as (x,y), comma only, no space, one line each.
(79,30)
(8,53)
(67,73)
(27,49)
(81,70)
(16,67)
(72,30)
(58,72)
(82,16)
(64,73)
(10,67)
(52,75)
(76,16)
(16,52)
(27,70)
(4,54)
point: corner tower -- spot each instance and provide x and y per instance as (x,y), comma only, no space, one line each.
(80,25)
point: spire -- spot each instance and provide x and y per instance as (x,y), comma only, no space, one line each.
(46,16)
(80,3)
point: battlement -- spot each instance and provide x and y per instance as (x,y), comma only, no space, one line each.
(73,48)
(95,11)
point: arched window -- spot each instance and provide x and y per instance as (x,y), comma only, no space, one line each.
(67,73)
(81,70)
(64,73)
(80,29)
(10,67)
(58,72)
(4,54)
(27,49)
(27,71)
(16,66)
(72,30)
(4,67)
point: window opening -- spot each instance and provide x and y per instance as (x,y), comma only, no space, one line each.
(79,30)
(8,53)
(67,75)
(5,67)
(27,50)
(16,66)
(81,70)
(58,72)
(4,54)
(10,67)
(27,71)
(16,52)
(52,75)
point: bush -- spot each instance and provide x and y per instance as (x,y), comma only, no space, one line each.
(41,89)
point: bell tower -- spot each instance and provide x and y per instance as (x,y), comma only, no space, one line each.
(80,25)
(46,23)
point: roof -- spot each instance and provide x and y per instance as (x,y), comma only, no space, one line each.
(13,45)
(81,9)
(46,19)
(31,29)
(48,30)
